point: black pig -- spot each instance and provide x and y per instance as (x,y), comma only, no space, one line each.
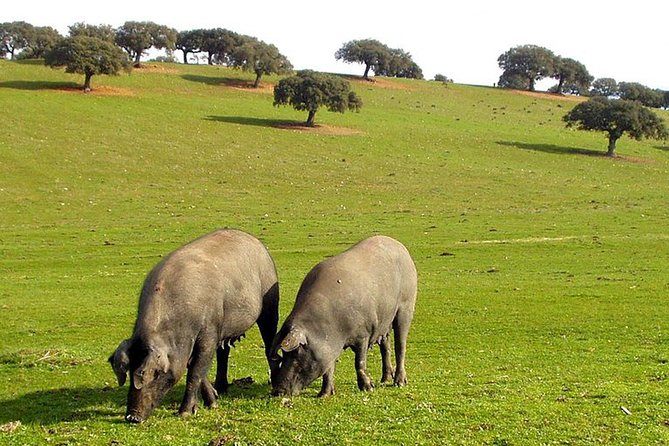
(199,300)
(351,300)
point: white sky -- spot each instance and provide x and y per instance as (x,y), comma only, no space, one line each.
(626,40)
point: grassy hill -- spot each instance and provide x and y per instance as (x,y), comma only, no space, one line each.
(542,264)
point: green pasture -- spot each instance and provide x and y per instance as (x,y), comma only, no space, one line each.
(543,307)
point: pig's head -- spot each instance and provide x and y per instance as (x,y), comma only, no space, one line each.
(150,376)
(301,363)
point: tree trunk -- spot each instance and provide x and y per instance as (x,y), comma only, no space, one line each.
(138,55)
(210,58)
(366,75)
(612,146)
(256,84)
(87,82)
(185,57)
(560,85)
(531,86)
(310,119)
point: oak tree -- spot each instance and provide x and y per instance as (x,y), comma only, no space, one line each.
(260,58)
(309,90)
(13,37)
(604,86)
(572,76)
(372,53)
(530,62)
(137,37)
(88,56)
(616,117)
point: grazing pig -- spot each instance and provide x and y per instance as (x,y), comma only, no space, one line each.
(199,300)
(350,300)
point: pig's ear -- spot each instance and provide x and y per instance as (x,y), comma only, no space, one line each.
(293,339)
(120,360)
(155,362)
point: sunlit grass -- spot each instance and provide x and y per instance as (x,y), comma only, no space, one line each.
(542,267)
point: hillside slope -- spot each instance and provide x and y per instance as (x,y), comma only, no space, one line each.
(542,263)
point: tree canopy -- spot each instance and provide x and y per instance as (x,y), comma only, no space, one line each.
(190,42)
(379,58)
(616,117)
(260,58)
(88,56)
(102,32)
(309,90)
(572,76)
(604,86)
(137,37)
(14,36)
(398,63)
(528,62)
(369,52)
(220,43)
(634,91)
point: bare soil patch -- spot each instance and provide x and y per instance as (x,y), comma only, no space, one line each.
(248,86)
(99,91)
(550,96)
(318,129)
(155,68)
(381,83)
(633,159)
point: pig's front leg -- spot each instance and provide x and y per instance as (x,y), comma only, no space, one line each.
(328,387)
(203,353)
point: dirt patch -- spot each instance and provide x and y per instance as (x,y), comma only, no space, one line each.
(98,91)
(155,68)
(381,83)
(248,86)
(550,96)
(633,159)
(318,129)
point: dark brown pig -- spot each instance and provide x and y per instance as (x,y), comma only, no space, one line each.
(196,302)
(351,300)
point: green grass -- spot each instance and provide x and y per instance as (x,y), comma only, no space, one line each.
(542,267)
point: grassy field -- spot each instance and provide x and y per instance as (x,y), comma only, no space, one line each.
(542,310)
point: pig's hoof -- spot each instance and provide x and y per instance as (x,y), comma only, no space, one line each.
(327,392)
(133,419)
(188,412)
(401,382)
(212,405)
(365,384)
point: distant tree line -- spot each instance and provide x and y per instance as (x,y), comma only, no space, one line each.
(525,65)
(96,49)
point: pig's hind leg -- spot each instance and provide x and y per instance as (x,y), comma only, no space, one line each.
(388,370)
(222,355)
(364,381)
(401,326)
